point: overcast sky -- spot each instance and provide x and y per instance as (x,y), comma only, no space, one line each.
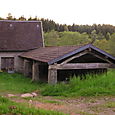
(62,11)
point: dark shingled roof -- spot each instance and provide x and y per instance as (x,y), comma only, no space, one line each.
(47,54)
(20,35)
(52,55)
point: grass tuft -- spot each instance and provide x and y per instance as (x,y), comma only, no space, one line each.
(100,85)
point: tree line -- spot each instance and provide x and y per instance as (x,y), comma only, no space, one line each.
(49,25)
(102,36)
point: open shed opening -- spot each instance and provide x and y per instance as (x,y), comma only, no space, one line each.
(66,75)
(43,72)
(36,70)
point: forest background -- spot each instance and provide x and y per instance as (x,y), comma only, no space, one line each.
(55,34)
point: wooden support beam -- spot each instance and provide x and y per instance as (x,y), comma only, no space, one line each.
(73,57)
(26,67)
(0,63)
(35,71)
(52,75)
(102,58)
(81,66)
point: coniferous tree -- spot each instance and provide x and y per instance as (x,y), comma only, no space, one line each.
(108,36)
(10,17)
(93,36)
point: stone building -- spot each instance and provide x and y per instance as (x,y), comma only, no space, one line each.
(22,50)
(17,37)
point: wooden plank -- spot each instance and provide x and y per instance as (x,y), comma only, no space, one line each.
(35,71)
(81,66)
(26,67)
(52,75)
(73,57)
(0,64)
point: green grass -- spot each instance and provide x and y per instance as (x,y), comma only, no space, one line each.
(8,107)
(110,105)
(40,99)
(86,113)
(100,85)
(17,83)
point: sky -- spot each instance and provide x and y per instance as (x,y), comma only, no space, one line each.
(62,11)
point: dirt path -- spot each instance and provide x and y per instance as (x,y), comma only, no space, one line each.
(73,106)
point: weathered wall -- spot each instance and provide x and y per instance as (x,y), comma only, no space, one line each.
(18,62)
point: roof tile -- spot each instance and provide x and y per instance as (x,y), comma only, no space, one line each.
(47,54)
(20,36)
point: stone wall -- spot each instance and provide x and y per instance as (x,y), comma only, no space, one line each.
(18,62)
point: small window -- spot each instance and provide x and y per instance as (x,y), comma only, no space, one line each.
(7,64)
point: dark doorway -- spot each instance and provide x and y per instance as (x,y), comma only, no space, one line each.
(7,64)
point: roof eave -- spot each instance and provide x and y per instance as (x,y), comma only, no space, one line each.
(79,50)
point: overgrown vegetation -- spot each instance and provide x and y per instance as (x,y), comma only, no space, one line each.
(99,85)
(9,107)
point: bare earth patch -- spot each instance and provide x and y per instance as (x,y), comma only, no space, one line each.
(72,106)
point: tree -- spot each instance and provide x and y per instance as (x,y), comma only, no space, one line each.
(112,44)
(108,36)
(61,28)
(73,28)
(66,28)
(22,18)
(51,38)
(100,36)
(9,16)
(93,36)
(30,18)
(1,18)
(102,44)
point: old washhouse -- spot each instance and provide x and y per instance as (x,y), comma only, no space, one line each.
(22,50)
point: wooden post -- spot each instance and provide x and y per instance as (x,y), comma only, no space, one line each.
(0,63)
(52,75)
(35,71)
(26,67)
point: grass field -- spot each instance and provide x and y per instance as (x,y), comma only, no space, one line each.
(16,83)
(101,85)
